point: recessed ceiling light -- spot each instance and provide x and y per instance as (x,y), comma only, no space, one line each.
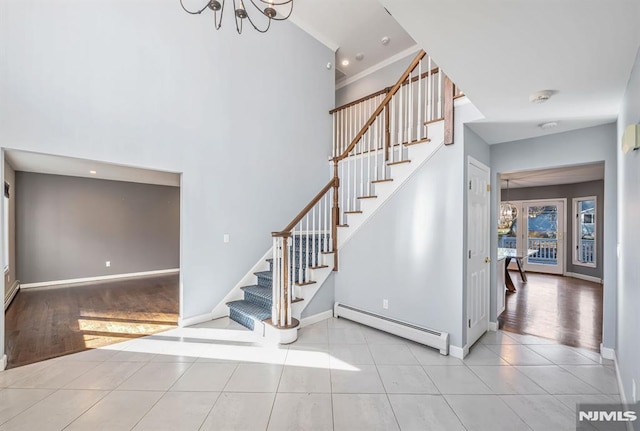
(359,56)
(92,172)
(385,40)
(345,62)
(548,125)
(541,96)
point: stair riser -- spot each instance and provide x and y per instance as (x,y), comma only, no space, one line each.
(265,281)
(242,319)
(256,299)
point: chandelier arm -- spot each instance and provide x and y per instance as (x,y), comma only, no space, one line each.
(218,23)
(196,12)
(256,27)
(275,4)
(284,18)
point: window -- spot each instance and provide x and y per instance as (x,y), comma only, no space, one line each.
(6,226)
(584,231)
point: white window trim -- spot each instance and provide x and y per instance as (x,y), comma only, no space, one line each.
(574,252)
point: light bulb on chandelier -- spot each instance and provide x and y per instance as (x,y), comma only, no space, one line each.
(270,10)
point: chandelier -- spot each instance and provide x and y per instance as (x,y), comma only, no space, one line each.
(267,10)
(508,214)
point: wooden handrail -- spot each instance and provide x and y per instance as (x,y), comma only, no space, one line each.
(287,230)
(382,105)
(383,91)
(360,100)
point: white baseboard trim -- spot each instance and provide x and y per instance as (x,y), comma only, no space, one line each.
(194,320)
(310,320)
(584,277)
(607,353)
(623,397)
(458,352)
(15,287)
(3,363)
(493,326)
(99,278)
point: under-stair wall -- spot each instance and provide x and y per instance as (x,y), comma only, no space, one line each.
(410,252)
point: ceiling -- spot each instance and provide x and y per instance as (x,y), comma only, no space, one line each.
(554,176)
(351,27)
(57,165)
(499,52)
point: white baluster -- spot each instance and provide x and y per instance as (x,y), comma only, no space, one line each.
(419,121)
(440,93)
(429,92)
(410,116)
(306,256)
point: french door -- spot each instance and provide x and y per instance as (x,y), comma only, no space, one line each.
(543,238)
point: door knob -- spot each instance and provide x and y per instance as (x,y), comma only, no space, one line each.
(487,259)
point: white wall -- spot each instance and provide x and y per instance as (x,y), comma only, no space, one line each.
(594,144)
(376,81)
(411,250)
(144,84)
(628,342)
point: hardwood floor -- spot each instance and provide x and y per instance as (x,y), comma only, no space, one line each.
(48,322)
(564,309)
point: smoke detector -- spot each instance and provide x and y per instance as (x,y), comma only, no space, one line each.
(540,96)
(385,40)
(548,125)
(359,56)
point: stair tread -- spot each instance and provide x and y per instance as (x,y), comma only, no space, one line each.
(319,267)
(353,212)
(421,141)
(398,162)
(343,225)
(267,274)
(367,197)
(305,283)
(265,292)
(386,180)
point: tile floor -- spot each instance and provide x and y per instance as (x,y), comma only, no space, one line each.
(339,375)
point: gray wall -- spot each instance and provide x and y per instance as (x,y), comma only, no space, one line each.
(242,117)
(10,276)
(628,342)
(376,81)
(570,191)
(590,145)
(411,250)
(324,298)
(68,227)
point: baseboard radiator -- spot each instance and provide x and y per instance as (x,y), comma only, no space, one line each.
(428,337)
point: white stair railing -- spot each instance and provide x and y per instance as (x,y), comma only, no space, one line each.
(299,248)
(422,96)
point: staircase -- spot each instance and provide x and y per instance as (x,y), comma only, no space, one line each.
(371,161)
(258,298)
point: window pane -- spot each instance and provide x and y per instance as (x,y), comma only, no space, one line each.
(586,231)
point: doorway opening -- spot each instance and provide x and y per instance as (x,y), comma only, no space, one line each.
(554,246)
(92,254)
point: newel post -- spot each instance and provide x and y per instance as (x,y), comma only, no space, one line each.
(336,214)
(448,111)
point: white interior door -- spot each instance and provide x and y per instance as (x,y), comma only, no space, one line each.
(478,254)
(545,234)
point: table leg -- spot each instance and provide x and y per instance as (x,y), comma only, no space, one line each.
(507,278)
(523,276)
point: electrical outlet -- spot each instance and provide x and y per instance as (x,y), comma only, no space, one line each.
(634,398)
(107,263)
(225,238)
(385,304)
